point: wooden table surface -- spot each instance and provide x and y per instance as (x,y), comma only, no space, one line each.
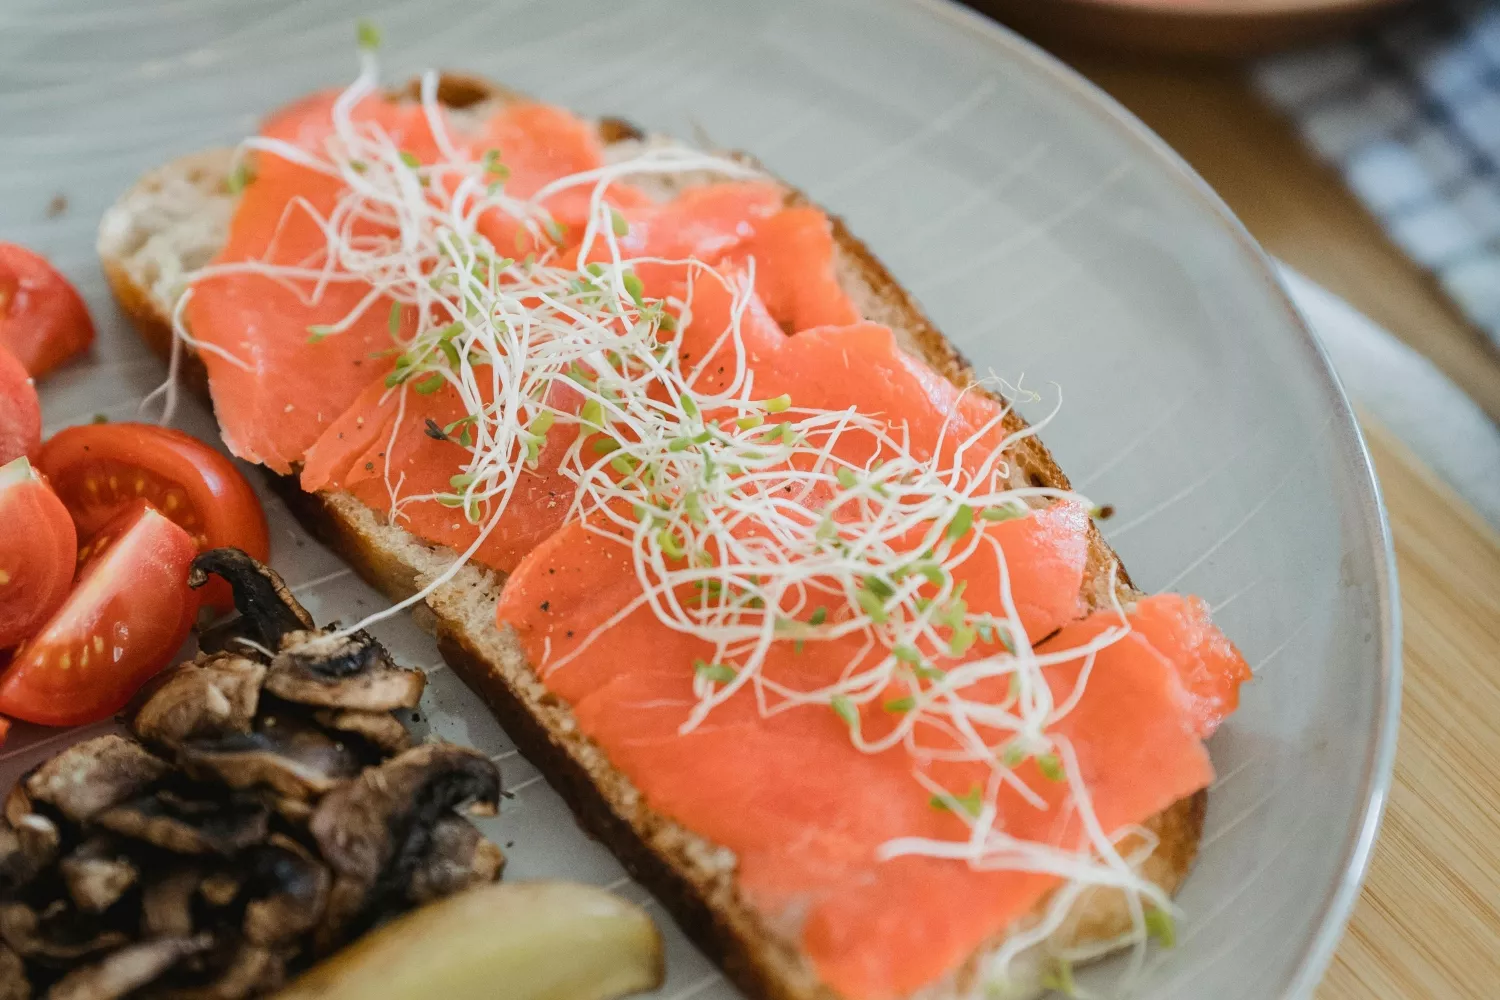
(1428,923)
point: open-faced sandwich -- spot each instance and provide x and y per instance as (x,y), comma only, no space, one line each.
(804,622)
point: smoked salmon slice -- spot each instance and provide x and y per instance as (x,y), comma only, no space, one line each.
(274,391)
(702,222)
(861,365)
(538,144)
(823,809)
(1210,666)
(383,444)
(282,392)
(795,271)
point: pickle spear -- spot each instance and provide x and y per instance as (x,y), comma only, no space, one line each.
(508,941)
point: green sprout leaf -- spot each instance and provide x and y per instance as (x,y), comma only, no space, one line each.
(1059,977)
(1160,927)
(963,519)
(241,176)
(367,35)
(719,673)
(844,709)
(970,802)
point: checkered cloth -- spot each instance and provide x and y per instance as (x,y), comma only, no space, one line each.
(1410,112)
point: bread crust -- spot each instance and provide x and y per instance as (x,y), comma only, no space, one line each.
(692,877)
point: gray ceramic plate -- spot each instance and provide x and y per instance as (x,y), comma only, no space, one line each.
(1044,230)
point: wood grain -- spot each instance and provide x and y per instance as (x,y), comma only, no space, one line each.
(1428,923)
(1427,926)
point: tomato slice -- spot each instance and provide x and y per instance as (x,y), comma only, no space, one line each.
(20,410)
(99,469)
(42,319)
(38,551)
(128,615)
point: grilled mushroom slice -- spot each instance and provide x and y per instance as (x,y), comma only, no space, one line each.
(190,826)
(375,830)
(458,857)
(344,672)
(28,841)
(213,696)
(167,902)
(289,890)
(127,969)
(296,760)
(267,608)
(13,982)
(247,971)
(221,888)
(381,730)
(97,873)
(61,938)
(90,777)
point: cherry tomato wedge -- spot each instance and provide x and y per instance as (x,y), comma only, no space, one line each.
(129,613)
(42,319)
(98,469)
(20,411)
(38,552)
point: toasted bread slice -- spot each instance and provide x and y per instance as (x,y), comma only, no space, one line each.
(174,219)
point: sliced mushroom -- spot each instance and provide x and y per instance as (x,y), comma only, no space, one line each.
(29,841)
(374,830)
(13,982)
(190,826)
(249,971)
(220,888)
(127,969)
(26,850)
(351,672)
(267,608)
(97,873)
(289,890)
(167,902)
(18,804)
(211,697)
(92,776)
(295,811)
(295,760)
(381,730)
(458,857)
(61,938)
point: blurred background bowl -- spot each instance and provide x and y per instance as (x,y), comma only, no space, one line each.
(1186,27)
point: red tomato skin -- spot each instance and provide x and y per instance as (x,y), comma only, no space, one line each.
(128,614)
(38,552)
(20,410)
(100,469)
(42,318)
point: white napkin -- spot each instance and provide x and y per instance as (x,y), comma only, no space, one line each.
(1409,112)
(1408,394)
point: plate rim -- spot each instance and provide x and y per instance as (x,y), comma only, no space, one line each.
(1380,757)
